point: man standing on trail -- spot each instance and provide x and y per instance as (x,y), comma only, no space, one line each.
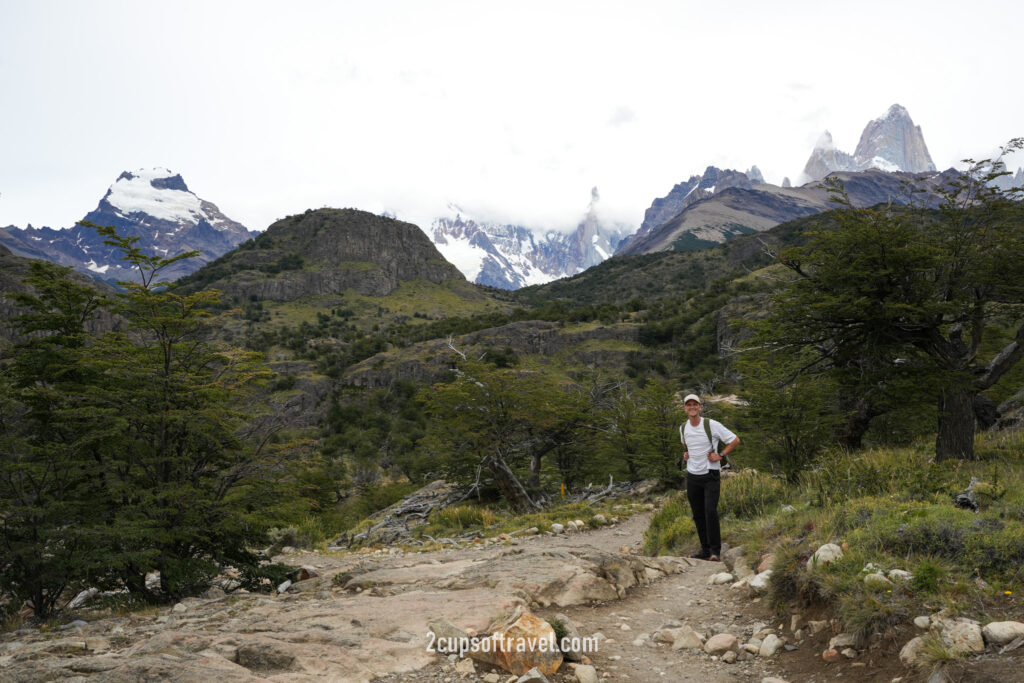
(704,454)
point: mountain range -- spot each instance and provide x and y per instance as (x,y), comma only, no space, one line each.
(157,207)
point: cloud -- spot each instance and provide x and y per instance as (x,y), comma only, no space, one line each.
(621,116)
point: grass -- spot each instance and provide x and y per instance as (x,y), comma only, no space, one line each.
(890,507)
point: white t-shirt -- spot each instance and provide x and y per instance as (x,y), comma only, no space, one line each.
(695,439)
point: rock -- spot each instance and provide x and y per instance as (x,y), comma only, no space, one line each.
(572,642)
(849,653)
(1002,632)
(770,646)
(796,622)
(842,640)
(625,627)
(666,635)
(533,676)
(77,623)
(732,557)
(601,519)
(759,584)
(179,608)
(557,528)
(529,643)
(214,593)
(265,657)
(687,639)
(447,631)
(773,679)
(831,656)
(492,678)
(766,562)
(720,578)
(721,643)
(586,674)
(922,622)
(817,627)
(465,667)
(730,657)
(877,581)
(900,575)
(284,586)
(580,525)
(962,635)
(825,555)
(910,655)
(753,647)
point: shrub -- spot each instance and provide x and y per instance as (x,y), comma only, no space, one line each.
(748,494)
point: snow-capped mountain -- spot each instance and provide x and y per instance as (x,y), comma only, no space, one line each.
(154,205)
(891,143)
(513,256)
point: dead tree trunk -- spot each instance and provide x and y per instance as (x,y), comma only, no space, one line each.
(510,485)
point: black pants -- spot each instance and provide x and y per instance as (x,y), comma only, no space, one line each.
(702,491)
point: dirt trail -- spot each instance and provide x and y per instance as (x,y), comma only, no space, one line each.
(365,617)
(685,597)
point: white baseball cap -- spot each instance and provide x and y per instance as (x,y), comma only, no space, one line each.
(691,397)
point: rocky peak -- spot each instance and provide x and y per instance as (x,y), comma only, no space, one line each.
(153,205)
(890,142)
(684,194)
(893,143)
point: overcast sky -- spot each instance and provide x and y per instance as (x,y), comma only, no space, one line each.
(513,110)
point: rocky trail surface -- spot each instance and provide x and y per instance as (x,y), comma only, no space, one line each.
(364,616)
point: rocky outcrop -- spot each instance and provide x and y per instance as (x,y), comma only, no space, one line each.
(14,269)
(327,251)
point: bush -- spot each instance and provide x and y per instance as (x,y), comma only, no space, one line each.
(748,494)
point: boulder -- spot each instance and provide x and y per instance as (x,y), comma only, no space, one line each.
(923,623)
(842,640)
(825,555)
(1002,632)
(831,656)
(720,579)
(900,575)
(877,581)
(721,643)
(557,528)
(529,643)
(586,674)
(759,584)
(766,562)
(770,646)
(533,676)
(687,639)
(572,642)
(962,636)
(910,655)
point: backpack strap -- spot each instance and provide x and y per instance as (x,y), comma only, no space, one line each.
(707,430)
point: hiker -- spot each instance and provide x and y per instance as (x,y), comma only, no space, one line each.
(703,439)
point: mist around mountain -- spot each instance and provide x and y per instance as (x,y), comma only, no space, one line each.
(154,205)
(510,256)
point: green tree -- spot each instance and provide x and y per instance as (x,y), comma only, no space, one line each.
(660,418)
(46,476)
(167,438)
(895,302)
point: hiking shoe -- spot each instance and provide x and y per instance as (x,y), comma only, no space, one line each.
(712,558)
(701,556)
